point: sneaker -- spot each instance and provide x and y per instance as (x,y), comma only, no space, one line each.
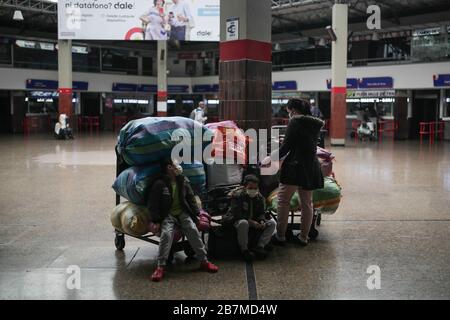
(298,240)
(260,253)
(247,256)
(158,274)
(208,267)
(277,242)
(269,248)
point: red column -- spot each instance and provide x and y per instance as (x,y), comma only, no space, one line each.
(339,111)
(65,101)
(162,104)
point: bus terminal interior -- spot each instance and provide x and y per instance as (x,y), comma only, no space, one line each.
(56,197)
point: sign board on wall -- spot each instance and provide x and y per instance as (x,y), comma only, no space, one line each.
(352,83)
(190,20)
(367,83)
(232,28)
(53,84)
(441,80)
(371,94)
(284,85)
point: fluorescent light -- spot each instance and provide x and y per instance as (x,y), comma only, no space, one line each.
(18,16)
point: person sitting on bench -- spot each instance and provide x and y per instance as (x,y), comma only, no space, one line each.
(247,212)
(171,203)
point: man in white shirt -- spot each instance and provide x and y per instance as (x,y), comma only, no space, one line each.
(180,18)
(198,114)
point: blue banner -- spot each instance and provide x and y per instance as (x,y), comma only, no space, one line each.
(41,84)
(53,84)
(147,88)
(352,83)
(205,88)
(284,85)
(80,85)
(442,80)
(178,89)
(376,83)
(124,87)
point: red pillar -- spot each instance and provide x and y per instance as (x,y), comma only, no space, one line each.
(245,75)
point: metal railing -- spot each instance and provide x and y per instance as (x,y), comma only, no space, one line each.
(31,5)
(354,62)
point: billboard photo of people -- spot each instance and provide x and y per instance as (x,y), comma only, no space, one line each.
(155,22)
(183,20)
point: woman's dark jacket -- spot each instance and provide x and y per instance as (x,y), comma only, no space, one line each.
(159,199)
(301,166)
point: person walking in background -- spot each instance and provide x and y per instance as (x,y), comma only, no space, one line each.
(300,171)
(198,114)
(155,22)
(180,18)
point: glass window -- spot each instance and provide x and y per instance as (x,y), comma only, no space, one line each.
(120,61)
(86,59)
(30,54)
(447,104)
(147,66)
(5,52)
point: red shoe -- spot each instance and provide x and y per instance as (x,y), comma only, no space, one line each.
(208,267)
(158,274)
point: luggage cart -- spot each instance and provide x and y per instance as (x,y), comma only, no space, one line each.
(119,240)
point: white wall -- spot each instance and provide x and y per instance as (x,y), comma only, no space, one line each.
(14,79)
(407,76)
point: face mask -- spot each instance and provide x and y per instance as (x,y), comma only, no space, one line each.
(179,170)
(252,192)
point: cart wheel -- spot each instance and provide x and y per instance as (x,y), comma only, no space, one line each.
(119,241)
(319,219)
(313,233)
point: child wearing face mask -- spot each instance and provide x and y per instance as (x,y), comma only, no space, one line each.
(247,211)
(171,203)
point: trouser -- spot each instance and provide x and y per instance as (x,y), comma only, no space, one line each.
(284,199)
(178,33)
(188,228)
(242,228)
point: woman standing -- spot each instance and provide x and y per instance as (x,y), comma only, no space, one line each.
(155,22)
(300,171)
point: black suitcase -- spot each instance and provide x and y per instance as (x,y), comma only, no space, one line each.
(223,243)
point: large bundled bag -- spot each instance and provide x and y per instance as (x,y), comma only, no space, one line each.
(229,141)
(326,200)
(134,183)
(272,201)
(130,219)
(149,140)
(326,159)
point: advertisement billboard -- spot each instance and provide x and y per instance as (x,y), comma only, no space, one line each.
(184,20)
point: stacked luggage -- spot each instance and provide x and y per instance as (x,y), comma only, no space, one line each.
(142,145)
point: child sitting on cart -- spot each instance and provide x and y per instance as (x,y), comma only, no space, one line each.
(247,213)
(171,202)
